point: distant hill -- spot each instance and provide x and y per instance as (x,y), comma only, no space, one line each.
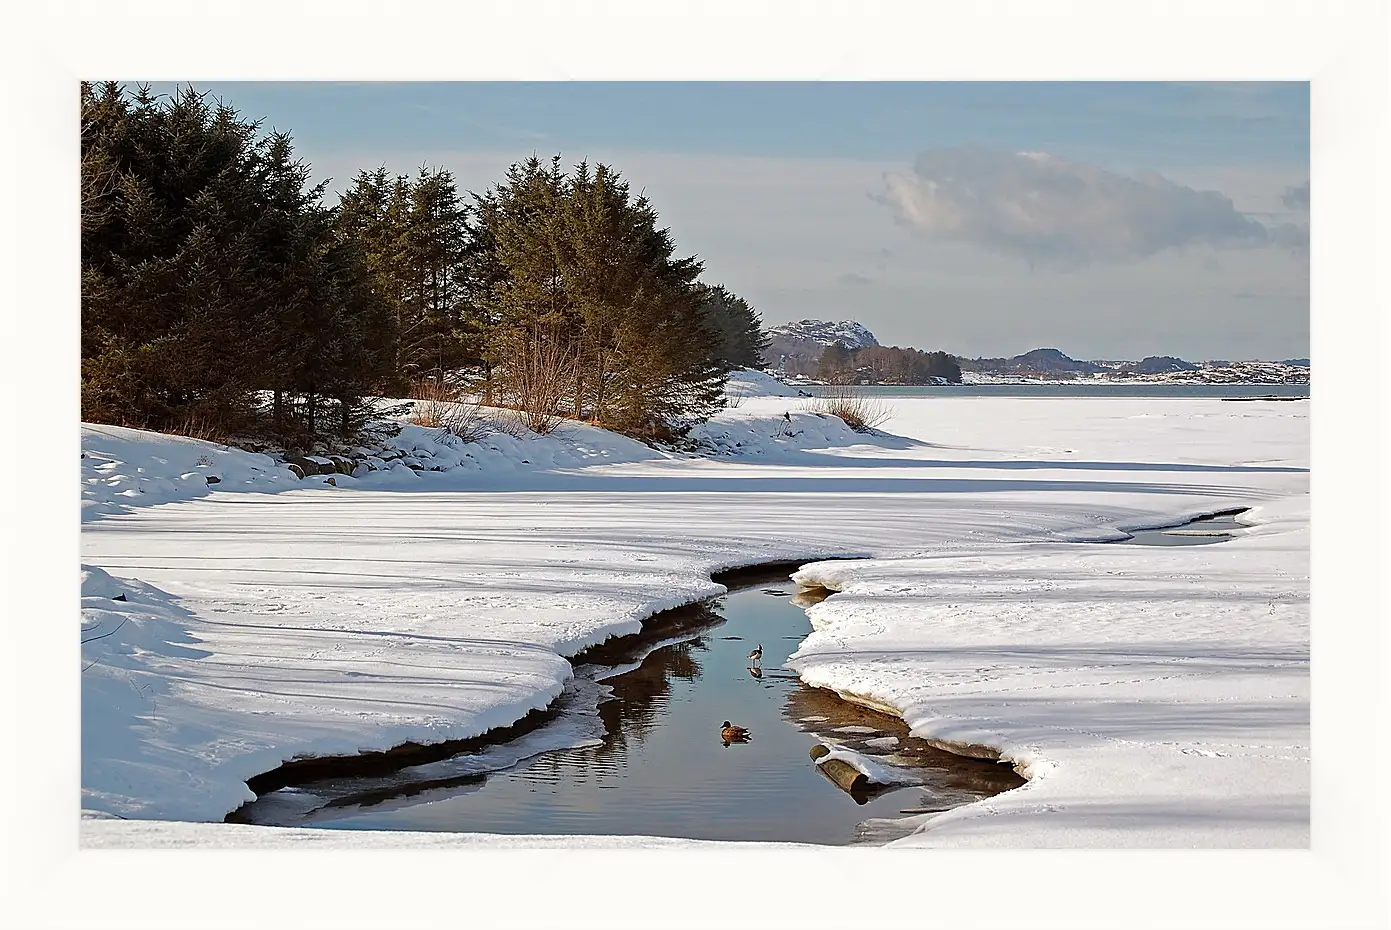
(1158,365)
(1052,360)
(1037,361)
(797,347)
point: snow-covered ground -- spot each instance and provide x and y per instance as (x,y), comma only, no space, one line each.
(1155,696)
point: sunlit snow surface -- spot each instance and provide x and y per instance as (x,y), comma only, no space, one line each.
(1155,696)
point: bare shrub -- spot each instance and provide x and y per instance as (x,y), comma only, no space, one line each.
(206,428)
(860,412)
(442,403)
(537,380)
(435,396)
(466,422)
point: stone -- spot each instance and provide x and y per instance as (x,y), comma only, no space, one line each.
(214,479)
(304,466)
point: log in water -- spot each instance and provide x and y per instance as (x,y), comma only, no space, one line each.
(850,779)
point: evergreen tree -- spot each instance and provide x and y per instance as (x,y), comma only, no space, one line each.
(739,338)
(212,272)
(574,260)
(432,259)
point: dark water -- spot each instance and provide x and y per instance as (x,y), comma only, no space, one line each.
(1202,531)
(1076,390)
(656,765)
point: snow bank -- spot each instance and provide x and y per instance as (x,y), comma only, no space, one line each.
(439,605)
(178,711)
(124,468)
(1154,696)
(748,382)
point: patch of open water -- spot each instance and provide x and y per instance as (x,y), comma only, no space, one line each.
(1200,531)
(636,750)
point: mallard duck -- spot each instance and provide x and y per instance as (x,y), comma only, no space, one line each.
(757,655)
(732,734)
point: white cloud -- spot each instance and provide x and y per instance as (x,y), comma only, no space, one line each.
(1051,211)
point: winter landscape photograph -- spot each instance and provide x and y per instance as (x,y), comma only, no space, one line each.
(775,480)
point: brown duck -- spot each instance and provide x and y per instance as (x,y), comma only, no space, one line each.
(732,734)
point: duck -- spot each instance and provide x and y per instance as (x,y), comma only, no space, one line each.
(757,655)
(732,734)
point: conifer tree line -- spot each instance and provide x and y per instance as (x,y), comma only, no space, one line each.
(885,365)
(222,293)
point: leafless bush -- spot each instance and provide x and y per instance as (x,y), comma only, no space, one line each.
(860,412)
(442,403)
(206,428)
(466,422)
(537,380)
(435,396)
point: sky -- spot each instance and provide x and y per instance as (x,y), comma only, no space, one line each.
(1108,220)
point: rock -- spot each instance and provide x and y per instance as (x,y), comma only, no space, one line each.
(214,479)
(341,464)
(305,466)
(296,470)
(331,481)
(119,597)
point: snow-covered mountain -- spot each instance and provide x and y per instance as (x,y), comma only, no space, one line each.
(802,333)
(797,347)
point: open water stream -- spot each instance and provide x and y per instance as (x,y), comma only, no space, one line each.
(635,749)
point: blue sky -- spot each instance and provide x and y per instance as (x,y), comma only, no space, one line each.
(1108,220)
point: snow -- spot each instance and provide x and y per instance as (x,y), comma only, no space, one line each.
(750,383)
(873,770)
(848,333)
(1154,696)
(124,468)
(101,833)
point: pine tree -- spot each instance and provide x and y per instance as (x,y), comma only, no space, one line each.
(211,272)
(739,338)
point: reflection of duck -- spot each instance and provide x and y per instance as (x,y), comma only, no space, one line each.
(757,655)
(755,671)
(732,734)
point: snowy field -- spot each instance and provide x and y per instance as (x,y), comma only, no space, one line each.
(1154,696)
